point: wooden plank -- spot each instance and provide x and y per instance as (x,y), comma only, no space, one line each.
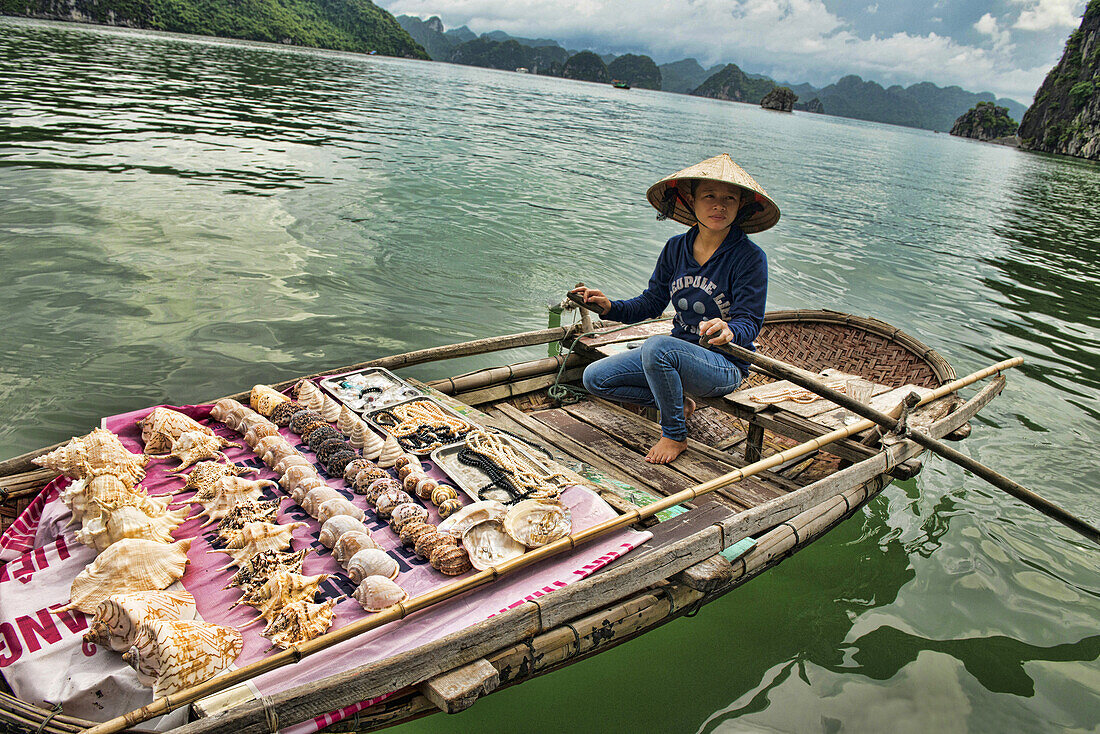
(754,444)
(674,530)
(839,417)
(707,575)
(458,689)
(521,387)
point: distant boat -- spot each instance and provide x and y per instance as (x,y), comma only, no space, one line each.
(619,84)
(522,70)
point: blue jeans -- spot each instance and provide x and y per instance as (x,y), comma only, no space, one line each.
(658,374)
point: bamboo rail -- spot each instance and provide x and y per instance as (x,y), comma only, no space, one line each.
(400,611)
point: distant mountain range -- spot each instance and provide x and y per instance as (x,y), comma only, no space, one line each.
(923,105)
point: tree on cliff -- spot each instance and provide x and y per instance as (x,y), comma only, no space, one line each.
(637,70)
(509,55)
(586,66)
(1065,117)
(734,85)
(985,121)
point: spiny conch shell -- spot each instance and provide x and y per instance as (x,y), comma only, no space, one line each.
(245,513)
(254,571)
(263,399)
(310,395)
(233,491)
(336,526)
(458,523)
(299,621)
(330,409)
(205,476)
(376,593)
(371,562)
(346,420)
(258,432)
(163,426)
(129,565)
(194,446)
(282,588)
(372,444)
(125,520)
(311,503)
(223,407)
(97,452)
(535,523)
(256,537)
(78,496)
(338,506)
(118,617)
(391,451)
(294,475)
(351,542)
(488,544)
(172,656)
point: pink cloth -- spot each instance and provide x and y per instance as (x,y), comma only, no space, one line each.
(208,573)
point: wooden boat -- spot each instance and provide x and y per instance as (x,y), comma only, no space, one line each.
(685,565)
(620,84)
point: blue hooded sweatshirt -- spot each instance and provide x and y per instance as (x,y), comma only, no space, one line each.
(731,285)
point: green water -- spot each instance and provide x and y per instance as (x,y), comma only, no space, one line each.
(183,217)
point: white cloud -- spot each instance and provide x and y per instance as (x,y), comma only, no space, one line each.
(792,40)
(1043,14)
(872,9)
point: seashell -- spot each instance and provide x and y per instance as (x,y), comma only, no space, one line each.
(281,588)
(449,507)
(426,544)
(294,475)
(376,593)
(410,480)
(407,512)
(81,495)
(97,452)
(306,486)
(322,435)
(351,542)
(203,479)
(535,522)
(255,570)
(131,564)
(290,460)
(283,412)
(173,655)
(442,493)
(328,448)
(371,562)
(354,467)
(310,395)
(233,491)
(365,478)
(391,451)
(258,431)
(223,407)
(372,444)
(163,426)
(302,418)
(314,425)
(245,513)
(388,500)
(346,420)
(425,487)
(357,432)
(194,446)
(458,523)
(337,525)
(406,459)
(299,621)
(412,530)
(339,461)
(340,506)
(274,444)
(488,544)
(116,522)
(251,420)
(235,417)
(256,537)
(118,617)
(451,560)
(312,502)
(264,398)
(330,409)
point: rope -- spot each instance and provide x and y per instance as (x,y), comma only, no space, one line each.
(54,712)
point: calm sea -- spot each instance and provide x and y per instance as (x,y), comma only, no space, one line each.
(184,217)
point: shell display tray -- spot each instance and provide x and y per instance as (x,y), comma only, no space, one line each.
(372,418)
(470,479)
(370,389)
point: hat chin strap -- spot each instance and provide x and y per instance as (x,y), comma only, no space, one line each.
(747,211)
(672,195)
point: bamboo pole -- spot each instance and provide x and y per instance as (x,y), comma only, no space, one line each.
(399,611)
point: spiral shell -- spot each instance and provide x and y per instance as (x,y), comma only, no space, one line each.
(97,452)
(391,452)
(281,588)
(193,446)
(338,506)
(231,492)
(376,593)
(290,460)
(379,487)
(273,449)
(163,426)
(340,460)
(319,435)
(258,431)
(110,523)
(314,425)
(263,399)
(368,476)
(354,467)
(294,475)
(351,542)
(204,478)
(450,560)
(346,420)
(131,564)
(257,537)
(336,526)
(223,407)
(427,543)
(442,493)
(371,562)
(425,487)
(299,621)
(283,412)
(173,655)
(328,448)
(310,395)
(302,418)
(312,502)
(412,530)
(449,507)
(407,512)
(330,409)
(388,500)
(410,480)
(306,486)
(372,444)
(118,617)
(235,417)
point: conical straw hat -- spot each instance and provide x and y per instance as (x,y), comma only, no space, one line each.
(669,195)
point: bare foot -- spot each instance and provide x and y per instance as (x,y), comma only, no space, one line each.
(689,407)
(665,450)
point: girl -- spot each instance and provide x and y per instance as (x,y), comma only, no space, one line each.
(717,281)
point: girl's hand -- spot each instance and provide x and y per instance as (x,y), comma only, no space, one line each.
(717,331)
(593,299)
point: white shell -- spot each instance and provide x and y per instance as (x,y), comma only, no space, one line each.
(536,523)
(223,407)
(330,409)
(346,421)
(233,491)
(118,617)
(116,522)
(336,526)
(310,395)
(295,474)
(338,506)
(306,486)
(391,451)
(376,593)
(283,463)
(351,542)
(172,656)
(372,444)
(458,523)
(131,564)
(311,503)
(371,562)
(488,544)
(260,431)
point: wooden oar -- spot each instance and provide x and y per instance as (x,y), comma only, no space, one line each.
(400,611)
(802,378)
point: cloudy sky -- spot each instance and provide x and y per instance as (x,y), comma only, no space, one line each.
(1002,46)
